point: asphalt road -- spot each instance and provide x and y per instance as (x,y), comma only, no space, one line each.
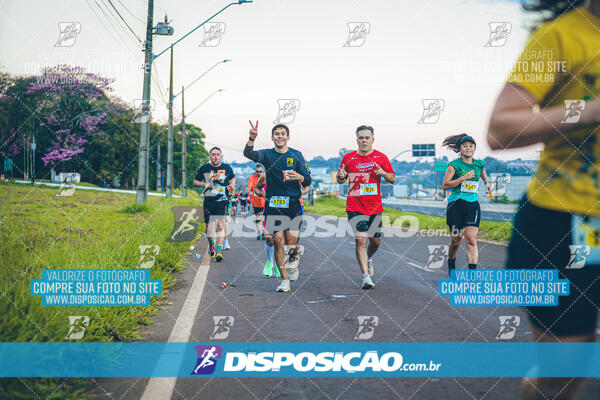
(323,306)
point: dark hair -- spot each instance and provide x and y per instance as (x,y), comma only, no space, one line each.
(365,127)
(214,148)
(553,8)
(280,126)
(453,142)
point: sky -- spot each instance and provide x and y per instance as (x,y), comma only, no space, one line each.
(411,51)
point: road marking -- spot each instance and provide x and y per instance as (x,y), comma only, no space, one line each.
(420,267)
(162,388)
(405,258)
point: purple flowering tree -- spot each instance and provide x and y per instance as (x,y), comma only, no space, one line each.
(71,107)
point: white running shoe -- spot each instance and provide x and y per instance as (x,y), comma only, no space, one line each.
(370,268)
(367,283)
(291,263)
(284,286)
(226,245)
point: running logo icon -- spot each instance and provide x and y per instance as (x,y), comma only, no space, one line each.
(77,325)
(222,326)
(499,32)
(432,109)
(499,182)
(207,359)
(508,326)
(437,255)
(67,184)
(185,224)
(68,34)
(148,254)
(357,33)
(287,111)
(366,326)
(579,253)
(573,110)
(213,31)
(143,108)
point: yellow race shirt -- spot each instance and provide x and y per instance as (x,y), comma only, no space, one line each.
(560,65)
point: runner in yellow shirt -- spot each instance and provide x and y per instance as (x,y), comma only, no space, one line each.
(551,97)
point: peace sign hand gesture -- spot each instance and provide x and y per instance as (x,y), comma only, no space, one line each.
(253,130)
(378,170)
(342,173)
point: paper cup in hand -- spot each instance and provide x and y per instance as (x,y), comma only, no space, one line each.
(286,174)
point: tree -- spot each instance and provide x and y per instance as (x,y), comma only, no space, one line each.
(71,106)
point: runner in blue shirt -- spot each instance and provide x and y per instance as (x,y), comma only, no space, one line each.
(284,168)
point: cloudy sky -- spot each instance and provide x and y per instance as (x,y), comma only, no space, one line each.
(292,49)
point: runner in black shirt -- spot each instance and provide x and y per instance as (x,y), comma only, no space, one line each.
(243,201)
(284,168)
(216,178)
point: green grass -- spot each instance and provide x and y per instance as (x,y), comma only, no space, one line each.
(87,230)
(331,205)
(135,208)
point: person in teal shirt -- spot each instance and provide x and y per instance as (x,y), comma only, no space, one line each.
(463,213)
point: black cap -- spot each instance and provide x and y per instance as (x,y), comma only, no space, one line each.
(467,139)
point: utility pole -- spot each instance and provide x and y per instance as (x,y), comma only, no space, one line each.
(183,149)
(171,98)
(162,28)
(170,138)
(142,184)
(158,188)
(417,185)
(33,145)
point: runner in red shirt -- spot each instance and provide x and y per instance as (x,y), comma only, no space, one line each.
(363,169)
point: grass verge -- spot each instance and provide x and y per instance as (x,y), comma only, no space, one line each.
(87,230)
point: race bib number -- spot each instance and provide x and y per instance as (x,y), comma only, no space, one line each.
(368,189)
(585,232)
(279,202)
(469,186)
(286,174)
(218,190)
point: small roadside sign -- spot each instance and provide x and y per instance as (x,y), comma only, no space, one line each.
(440,166)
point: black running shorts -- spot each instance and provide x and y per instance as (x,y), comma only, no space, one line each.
(540,240)
(461,213)
(283,218)
(258,210)
(365,223)
(216,210)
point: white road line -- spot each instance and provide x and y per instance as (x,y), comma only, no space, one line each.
(405,259)
(420,267)
(162,388)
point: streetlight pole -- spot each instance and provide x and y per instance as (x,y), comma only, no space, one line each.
(142,191)
(171,98)
(183,149)
(142,186)
(170,137)
(204,101)
(33,161)
(158,187)
(183,138)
